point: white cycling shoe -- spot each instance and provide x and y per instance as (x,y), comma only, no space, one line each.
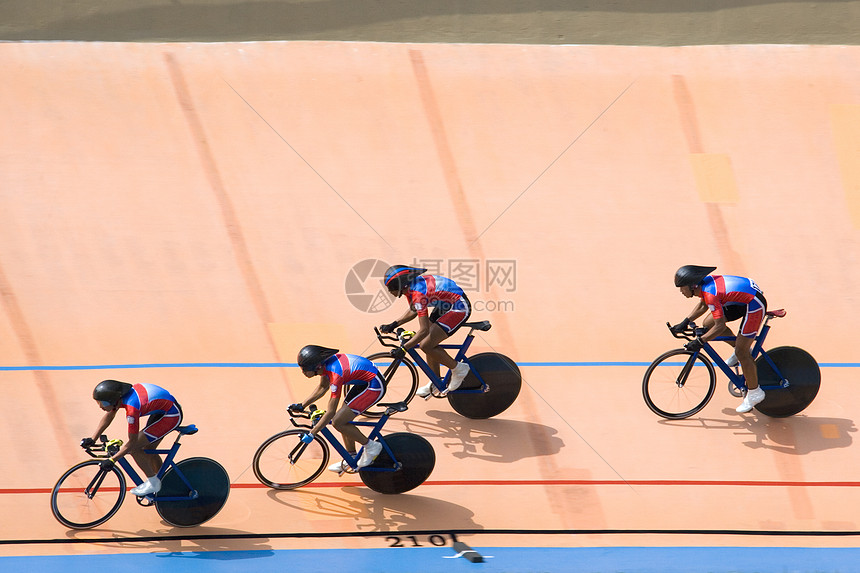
(458,374)
(371,450)
(732,361)
(752,398)
(150,486)
(340,467)
(425,391)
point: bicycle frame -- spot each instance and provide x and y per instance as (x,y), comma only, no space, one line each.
(735,378)
(439,383)
(340,449)
(169,462)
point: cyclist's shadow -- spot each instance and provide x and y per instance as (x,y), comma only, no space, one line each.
(220,546)
(493,439)
(371,511)
(796,435)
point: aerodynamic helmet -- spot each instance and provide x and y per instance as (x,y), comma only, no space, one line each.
(399,277)
(110,391)
(692,275)
(312,356)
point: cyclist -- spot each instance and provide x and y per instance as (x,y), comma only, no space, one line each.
(138,400)
(451,308)
(728,298)
(337,370)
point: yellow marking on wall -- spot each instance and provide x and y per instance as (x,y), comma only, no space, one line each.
(829,431)
(846,136)
(715,178)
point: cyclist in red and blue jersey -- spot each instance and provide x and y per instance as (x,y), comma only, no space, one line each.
(138,400)
(451,308)
(366,387)
(727,298)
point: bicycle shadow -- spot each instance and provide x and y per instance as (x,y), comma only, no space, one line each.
(796,435)
(493,440)
(373,511)
(189,543)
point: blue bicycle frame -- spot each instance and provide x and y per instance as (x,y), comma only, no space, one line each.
(442,383)
(738,379)
(168,463)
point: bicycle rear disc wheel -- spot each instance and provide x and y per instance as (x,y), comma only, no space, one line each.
(73,507)
(415,456)
(401,387)
(804,379)
(207,477)
(503,379)
(675,399)
(285,462)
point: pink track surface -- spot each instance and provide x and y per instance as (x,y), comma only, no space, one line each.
(202,204)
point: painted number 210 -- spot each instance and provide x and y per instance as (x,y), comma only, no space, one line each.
(413,541)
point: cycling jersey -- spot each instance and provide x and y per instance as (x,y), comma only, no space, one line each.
(440,292)
(359,372)
(155,402)
(732,297)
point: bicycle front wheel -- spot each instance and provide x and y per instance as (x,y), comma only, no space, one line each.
(799,369)
(674,391)
(86,496)
(208,479)
(401,386)
(503,379)
(285,462)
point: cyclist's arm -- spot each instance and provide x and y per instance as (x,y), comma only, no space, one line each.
(331,410)
(406,317)
(318,393)
(103,425)
(715,330)
(700,309)
(135,442)
(423,331)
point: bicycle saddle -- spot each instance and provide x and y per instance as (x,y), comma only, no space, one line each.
(187,430)
(484,325)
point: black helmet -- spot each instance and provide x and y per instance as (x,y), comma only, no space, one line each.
(692,275)
(311,356)
(399,276)
(110,391)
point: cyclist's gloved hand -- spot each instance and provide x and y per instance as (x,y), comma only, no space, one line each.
(680,327)
(87,443)
(307,438)
(388,328)
(398,352)
(295,408)
(107,464)
(694,345)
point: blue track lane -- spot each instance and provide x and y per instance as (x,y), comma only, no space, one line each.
(443,560)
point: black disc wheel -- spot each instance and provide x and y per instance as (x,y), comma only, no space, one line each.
(503,380)
(285,462)
(86,496)
(413,464)
(207,478)
(401,383)
(676,387)
(798,369)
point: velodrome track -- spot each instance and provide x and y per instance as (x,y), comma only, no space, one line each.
(188,215)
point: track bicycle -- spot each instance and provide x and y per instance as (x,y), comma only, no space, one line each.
(491,386)
(192,490)
(680,382)
(284,461)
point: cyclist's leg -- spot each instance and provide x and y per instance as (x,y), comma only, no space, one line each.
(359,398)
(753,318)
(158,427)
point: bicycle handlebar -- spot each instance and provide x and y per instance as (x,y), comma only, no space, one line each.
(312,414)
(105,449)
(690,333)
(401,335)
